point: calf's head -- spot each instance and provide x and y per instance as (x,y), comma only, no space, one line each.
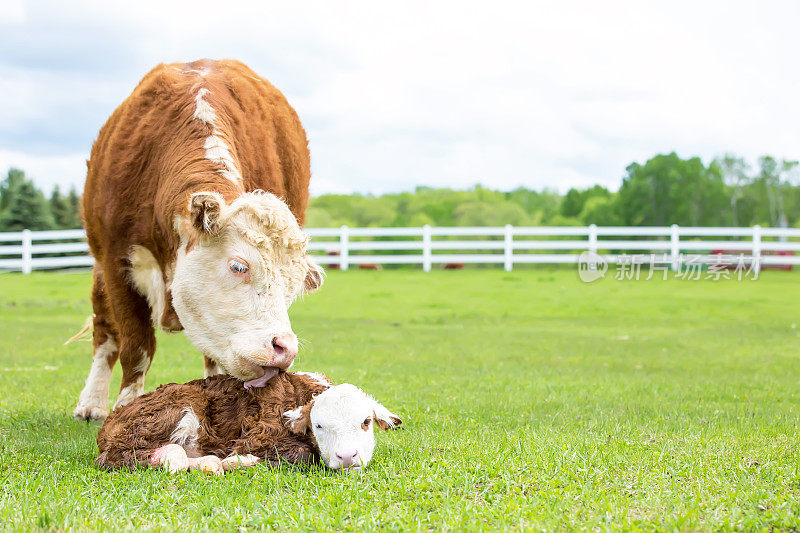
(239,268)
(341,420)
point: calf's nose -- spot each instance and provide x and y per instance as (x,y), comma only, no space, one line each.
(284,348)
(348,458)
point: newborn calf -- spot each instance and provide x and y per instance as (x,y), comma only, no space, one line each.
(215,424)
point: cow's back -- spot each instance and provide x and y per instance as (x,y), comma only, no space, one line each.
(163,143)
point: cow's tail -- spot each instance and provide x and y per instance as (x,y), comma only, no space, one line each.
(87,326)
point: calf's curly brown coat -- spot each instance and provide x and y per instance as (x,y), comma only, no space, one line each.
(232,421)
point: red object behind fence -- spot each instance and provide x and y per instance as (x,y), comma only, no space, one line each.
(736,253)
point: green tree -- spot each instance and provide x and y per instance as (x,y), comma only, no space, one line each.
(490,214)
(317,217)
(735,172)
(23,205)
(10,186)
(670,190)
(65,209)
(74,201)
(774,178)
(572,204)
(540,206)
(600,210)
(769,197)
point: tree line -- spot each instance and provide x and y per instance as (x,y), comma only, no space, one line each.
(23,206)
(664,190)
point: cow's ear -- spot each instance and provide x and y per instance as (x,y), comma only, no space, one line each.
(384,418)
(298,421)
(315,275)
(205,209)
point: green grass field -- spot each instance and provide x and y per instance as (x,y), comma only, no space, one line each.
(530,401)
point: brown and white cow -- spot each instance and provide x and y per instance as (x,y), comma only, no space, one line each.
(195,193)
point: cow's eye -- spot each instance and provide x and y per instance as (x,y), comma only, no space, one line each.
(365,424)
(318,426)
(238,267)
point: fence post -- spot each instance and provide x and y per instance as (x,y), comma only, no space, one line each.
(508,249)
(27,251)
(756,249)
(344,253)
(426,248)
(675,247)
(593,238)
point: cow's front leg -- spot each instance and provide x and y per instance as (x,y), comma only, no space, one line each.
(135,364)
(137,339)
(136,354)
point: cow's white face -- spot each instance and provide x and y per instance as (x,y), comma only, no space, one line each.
(342,420)
(239,269)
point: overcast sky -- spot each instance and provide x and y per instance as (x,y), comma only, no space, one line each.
(394,95)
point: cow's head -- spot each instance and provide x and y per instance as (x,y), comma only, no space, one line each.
(239,268)
(341,421)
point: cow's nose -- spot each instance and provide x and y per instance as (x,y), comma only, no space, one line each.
(285,349)
(348,458)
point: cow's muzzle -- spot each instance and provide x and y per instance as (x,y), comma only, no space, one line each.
(278,354)
(284,350)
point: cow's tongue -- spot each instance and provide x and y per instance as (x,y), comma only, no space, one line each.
(269,373)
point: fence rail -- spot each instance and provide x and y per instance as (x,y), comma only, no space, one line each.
(427,246)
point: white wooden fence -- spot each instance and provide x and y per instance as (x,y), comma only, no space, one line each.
(427,246)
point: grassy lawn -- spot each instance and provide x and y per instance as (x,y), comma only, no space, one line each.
(530,401)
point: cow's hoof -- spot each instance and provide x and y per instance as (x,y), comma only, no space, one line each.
(89,413)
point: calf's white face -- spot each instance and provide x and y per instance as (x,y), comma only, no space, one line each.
(342,420)
(239,268)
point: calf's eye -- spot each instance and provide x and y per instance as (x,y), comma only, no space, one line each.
(365,424)
(319,426)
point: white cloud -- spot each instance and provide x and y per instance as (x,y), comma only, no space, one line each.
(12,11)
(447,94)
(48,171)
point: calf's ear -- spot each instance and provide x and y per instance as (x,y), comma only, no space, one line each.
(385,418)
(298,421)
(315,275)
(205,209)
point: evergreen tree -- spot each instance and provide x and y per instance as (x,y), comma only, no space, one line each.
(572,203)
(58,207)
(23,205)
(9,187)
(65,209)
(74,202)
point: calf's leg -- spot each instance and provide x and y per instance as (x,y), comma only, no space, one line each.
(234,462)
(172,457)
(210,464)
